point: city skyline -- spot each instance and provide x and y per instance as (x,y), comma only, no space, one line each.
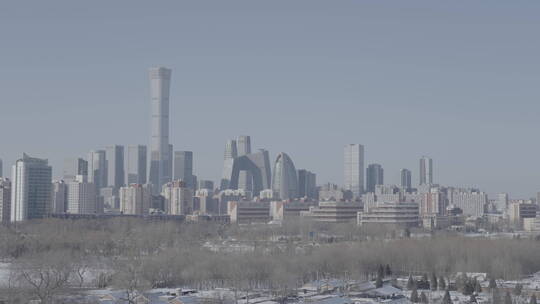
(211,87)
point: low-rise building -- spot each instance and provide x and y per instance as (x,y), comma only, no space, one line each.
(517,211)
(245,212)
(284,210)
(398,215)
(333,211)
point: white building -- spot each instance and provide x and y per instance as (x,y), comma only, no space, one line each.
(354,169)
(394,214)
(31,189)
(82,197)
(178,198)
(135,199)
(473,203)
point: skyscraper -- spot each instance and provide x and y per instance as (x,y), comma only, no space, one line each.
(1,168)
(183,168)
(243,147)
(307,184)
(5,200)
(74,167)
(31,188)
(228,159)
(374,177)
(284,178)
(426,170)
(97,168)
(59,196)
(406,182)
(178,198)
(115,166)
(82,196)
(135,199)
(136,164)
(160,155)
(354,169)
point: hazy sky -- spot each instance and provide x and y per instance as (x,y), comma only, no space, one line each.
(456,80)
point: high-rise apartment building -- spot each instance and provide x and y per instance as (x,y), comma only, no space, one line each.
(115,166)
(135,199)
(178,198)
(74,167)
(5,200)
(97,168)
(31,189)
(160,149)
(59,196)
(82,196)
(354,169)
(426,171)
(406,179)
(374,177)
(136,164)
(183,168)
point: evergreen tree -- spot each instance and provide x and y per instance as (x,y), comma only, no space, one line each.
(387,270)
(379,282)
(442,283)
(492,283)
(517,289)
(507,298)
(433,283)
(410,283)
(446,299)
(414,296)
(533,299)
(423,298)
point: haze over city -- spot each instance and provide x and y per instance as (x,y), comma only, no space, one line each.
(454,81)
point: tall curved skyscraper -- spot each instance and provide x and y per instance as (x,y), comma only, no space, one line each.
(284,178)
(160,151)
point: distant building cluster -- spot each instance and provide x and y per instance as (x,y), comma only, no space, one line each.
(119,180)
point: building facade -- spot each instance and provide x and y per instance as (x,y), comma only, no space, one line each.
(59,197)
(97,168)
(178,198)
(354,169)
(135,199)
(183,168)
(31,189)
(374,177)
(284,179)
(426,171)
(82,197)
(5,200)
(160,148)
(406,179)
(115,166)
(137,161)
